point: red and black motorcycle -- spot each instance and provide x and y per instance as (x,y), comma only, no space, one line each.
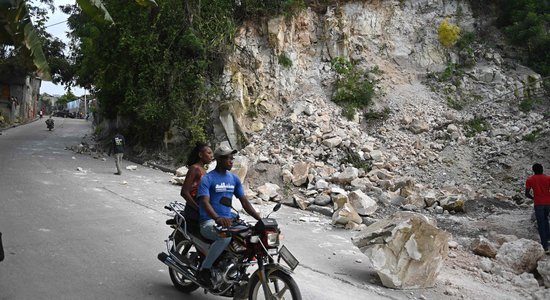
(252,246)
(49,124)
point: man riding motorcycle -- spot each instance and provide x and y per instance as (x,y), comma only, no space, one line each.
(216,185)
(50,123)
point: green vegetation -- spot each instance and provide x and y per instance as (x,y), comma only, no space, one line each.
(533,136)
(252,111)
(459,13)
(355,160)
(458,100)
(27,48)
(526,104)
(257,9)
(465,41)
(169,59)
(452,70)
(530,95)
(455,104)
(377,115)
(475,126)
(66,98)
(285,61)
(448,33)
(354,88)
(526,24)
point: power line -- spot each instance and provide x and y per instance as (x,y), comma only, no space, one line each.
(55,24)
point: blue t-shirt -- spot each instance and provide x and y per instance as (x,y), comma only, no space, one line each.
(217,185)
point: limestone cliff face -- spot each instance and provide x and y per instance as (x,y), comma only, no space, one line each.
(400,37)
(465,129)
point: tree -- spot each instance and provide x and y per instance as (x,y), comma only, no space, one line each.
(167,62)
(17,30)
(527,24)
(66,98)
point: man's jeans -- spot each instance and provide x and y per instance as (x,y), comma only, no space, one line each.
(118,160)
(541,213)
(209,231)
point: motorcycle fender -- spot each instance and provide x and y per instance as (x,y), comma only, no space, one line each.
(270,268)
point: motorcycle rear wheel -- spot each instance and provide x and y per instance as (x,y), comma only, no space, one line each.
(281,285)
(182,284)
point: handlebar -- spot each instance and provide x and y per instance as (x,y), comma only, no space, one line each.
(178,207)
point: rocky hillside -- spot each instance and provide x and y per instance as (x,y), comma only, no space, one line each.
(451,133)
(460,131)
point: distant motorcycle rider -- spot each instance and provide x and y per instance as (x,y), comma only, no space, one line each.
(50,123)
(216,185)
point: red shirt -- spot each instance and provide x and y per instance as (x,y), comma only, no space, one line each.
(540,184)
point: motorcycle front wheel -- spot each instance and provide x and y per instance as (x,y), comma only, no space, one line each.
(281,286)
(182,284)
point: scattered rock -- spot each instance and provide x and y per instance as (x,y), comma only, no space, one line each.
(520,256)
(403,247)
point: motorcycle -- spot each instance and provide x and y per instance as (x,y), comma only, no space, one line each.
(252,245)
(49,124)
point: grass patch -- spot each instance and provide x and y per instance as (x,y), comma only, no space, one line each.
(455,104)
(532,137)
(526,105)
(285,61)
(355,160)
(475,126)
(452,70)
(354,88)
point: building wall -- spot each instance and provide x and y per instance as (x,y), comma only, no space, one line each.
(19,100)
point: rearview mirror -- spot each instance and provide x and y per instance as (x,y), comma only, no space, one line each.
(277,207)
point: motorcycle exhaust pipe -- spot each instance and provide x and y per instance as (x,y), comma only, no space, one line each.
(169,261)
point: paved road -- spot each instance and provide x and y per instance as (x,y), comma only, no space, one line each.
(73,230)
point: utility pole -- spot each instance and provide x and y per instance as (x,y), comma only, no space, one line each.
(85,104)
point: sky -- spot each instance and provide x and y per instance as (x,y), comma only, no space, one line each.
(59,31)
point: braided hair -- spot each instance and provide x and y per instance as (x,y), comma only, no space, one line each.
(194,155)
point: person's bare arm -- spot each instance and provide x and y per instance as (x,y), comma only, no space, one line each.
(249,208)
(191,176)
(224,222)
(528,193)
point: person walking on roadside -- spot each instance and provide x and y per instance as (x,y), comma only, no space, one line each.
(537,187)
(1,248)
(216,186)
(197,162)
(117,147)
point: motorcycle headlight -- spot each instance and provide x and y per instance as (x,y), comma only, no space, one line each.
(272,239)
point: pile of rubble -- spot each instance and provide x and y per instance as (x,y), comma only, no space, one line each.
(421,160)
